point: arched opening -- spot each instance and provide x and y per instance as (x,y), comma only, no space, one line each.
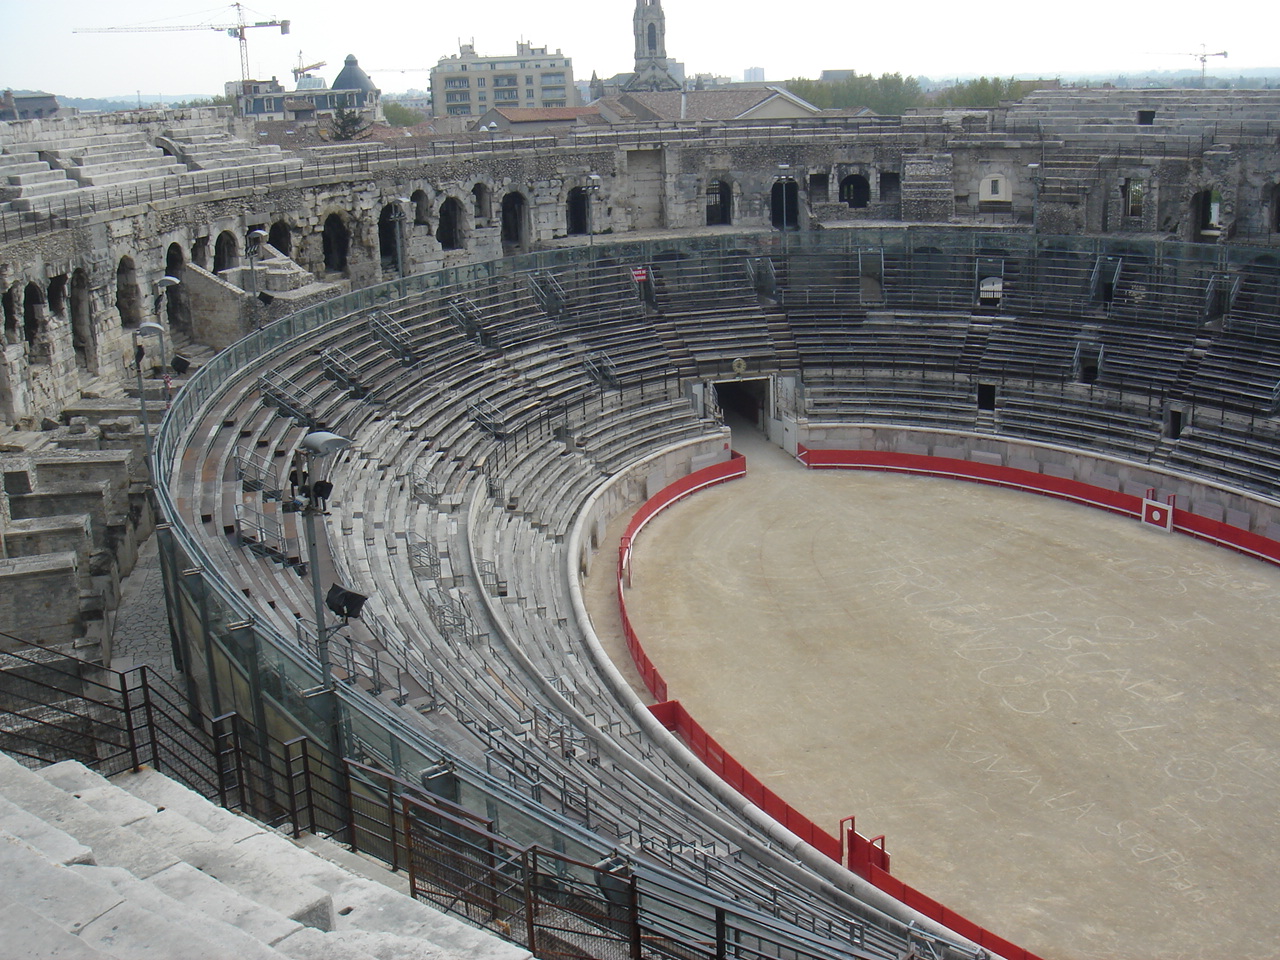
(128,296)
(515,223)
(33,323)
(449,229)
(83,341)
(280,236)
(200,253)
(577,217)
(855,190)
(336,239)
(784,204)
(10,301)
(482,201)
(389,237)
(653,38)
(177,298)
(719,204)
(226,252)
(421,208)
(57,296)
(890,187)
(1205,208)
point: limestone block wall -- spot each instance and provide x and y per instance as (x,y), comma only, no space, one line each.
(40,598)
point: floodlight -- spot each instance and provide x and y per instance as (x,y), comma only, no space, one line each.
(321,443)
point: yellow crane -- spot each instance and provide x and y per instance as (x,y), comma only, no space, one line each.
(235,30)
(300,71)
(1202,56)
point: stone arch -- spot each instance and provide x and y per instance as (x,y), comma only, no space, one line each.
(177,298)
(200,253)
(576,215)
(784,204)
(83,337)
(33,321)
(515,223)
(57,295)
(10,302)
(336,242)
(280,237)
(128,294)
(421,208)
(1204,216)
(449,231)
(719,203)
(482,201)
(226,252)
(855,190)
(389,252)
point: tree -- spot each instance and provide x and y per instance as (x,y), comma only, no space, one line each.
(347,125)
(220,100)
(400,116)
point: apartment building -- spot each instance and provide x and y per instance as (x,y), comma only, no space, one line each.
(467,84)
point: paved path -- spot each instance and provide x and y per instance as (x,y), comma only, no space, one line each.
(1063,721)
(141,630)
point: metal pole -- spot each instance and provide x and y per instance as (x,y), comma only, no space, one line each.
(142,402)
(328,689)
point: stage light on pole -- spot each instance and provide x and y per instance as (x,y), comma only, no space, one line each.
(314,446)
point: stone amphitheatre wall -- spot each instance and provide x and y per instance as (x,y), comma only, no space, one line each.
(94,211)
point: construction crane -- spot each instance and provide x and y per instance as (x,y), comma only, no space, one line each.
(236,30)
(1202,56)
(300,71)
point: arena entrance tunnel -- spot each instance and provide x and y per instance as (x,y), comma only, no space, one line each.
(749,399)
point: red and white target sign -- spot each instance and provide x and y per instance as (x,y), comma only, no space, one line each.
(1157,514)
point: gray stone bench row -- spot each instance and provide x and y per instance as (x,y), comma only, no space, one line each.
(143,867)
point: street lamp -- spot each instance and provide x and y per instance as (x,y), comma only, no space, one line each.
(139,353)
(593,187)
(314,446)
(255,244)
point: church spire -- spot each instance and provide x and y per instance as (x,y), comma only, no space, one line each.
(652,68)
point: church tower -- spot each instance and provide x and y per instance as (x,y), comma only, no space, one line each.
(652,70)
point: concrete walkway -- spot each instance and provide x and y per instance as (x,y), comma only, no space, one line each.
(1063,721)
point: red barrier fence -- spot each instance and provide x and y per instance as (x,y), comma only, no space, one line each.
(672,715)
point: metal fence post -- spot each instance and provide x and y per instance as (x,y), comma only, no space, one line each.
(128,722)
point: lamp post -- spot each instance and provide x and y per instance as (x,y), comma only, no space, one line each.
(400,217)
(782,179)
(314,446)
(139,352)
(1036,180)
(593,187)
(255,244)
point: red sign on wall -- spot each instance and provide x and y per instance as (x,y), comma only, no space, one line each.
(639,274)
(1157,514)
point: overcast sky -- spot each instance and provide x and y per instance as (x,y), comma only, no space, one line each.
(933,38)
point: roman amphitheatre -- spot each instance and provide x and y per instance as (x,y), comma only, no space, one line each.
(417,391)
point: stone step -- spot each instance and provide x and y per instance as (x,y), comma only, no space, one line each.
(82,901)
(34,177)
(15,169)
(114,175)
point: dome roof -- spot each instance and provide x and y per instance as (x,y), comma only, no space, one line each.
(352,77)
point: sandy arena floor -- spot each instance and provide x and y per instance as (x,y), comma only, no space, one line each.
(1063,721)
